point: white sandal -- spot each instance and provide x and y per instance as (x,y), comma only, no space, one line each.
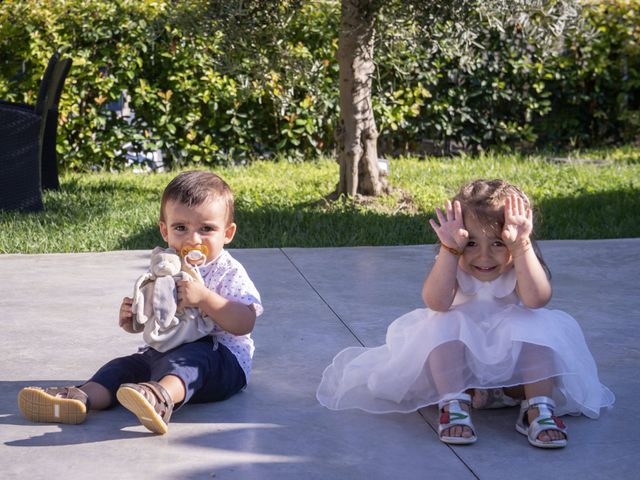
(455,417)
(545,421)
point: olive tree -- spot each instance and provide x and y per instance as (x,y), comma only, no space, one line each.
(364,27)
(356,132)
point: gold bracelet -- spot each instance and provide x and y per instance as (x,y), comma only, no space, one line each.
(452,251)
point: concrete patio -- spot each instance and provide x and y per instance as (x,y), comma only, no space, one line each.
(59,324)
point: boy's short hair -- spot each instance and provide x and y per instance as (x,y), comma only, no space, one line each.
(195,187)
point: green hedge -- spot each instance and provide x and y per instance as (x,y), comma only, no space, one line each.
(511,90)
(202,96)
(595,85)
(193,97)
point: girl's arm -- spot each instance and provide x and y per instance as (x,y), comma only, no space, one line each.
(234,317)
(440,286)
(533,286)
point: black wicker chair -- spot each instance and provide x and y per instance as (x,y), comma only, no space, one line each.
(28,161)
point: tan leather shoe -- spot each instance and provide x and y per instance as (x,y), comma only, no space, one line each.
(53,404)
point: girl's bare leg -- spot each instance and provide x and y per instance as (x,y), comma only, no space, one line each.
(537,389)
(515,392)
(440,362)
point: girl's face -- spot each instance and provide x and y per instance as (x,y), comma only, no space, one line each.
(205,224)
(485,257)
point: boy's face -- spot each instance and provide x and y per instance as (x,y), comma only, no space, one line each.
(205,224)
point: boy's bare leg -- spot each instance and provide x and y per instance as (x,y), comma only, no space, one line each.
(99,396)
(175,387)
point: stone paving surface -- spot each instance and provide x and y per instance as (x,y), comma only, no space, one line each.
(59,324)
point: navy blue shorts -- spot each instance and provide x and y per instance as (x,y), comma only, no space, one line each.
(208,375)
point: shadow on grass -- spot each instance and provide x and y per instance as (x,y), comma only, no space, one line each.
(297,226)
(587,215)
(111,186)
(143,239)
(300,226)
(77,199)
(123,216)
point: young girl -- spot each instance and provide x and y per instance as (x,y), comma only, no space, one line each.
(484,335)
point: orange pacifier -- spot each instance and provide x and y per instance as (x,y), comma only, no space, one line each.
(195,256)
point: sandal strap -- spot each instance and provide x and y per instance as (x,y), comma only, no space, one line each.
(545,420)
(543,423)
(70,393)
(535,401)
(454,397)
(163,404)
(455,417)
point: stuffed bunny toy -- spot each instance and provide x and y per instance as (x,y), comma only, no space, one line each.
(155,304)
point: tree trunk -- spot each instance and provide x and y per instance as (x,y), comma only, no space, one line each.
(356,135)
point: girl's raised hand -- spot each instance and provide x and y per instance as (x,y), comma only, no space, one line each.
(518,221)
(450,230)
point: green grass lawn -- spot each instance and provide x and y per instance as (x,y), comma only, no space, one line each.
(280,204)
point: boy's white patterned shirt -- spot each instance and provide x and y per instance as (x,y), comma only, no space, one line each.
(228,278)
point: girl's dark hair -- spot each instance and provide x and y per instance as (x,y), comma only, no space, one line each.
(484,200)
(195,187)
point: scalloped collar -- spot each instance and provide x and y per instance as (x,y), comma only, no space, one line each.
(499,288)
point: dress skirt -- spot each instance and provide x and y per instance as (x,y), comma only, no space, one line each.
(486,340)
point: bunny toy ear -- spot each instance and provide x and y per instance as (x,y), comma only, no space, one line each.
(138,299)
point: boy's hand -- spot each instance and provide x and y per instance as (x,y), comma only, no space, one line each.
(125,319)
(191,294)
(451,231)
(518,224)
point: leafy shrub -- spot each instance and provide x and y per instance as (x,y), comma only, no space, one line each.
(208,88)
(511,89)
(109,43)
(595,85)
(196,94)
(474,98)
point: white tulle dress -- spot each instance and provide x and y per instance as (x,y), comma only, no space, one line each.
(486,340)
